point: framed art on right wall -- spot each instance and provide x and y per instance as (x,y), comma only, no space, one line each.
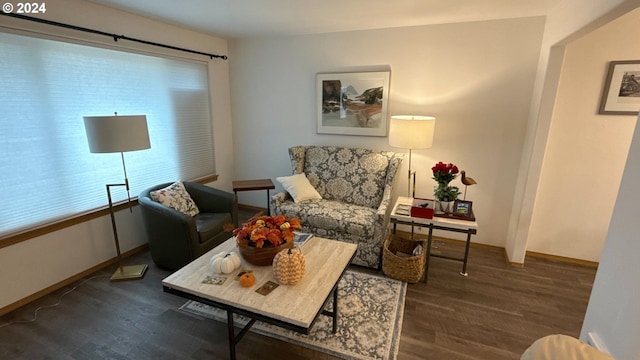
(621,93)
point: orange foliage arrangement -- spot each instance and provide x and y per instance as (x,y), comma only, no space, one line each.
(266,231)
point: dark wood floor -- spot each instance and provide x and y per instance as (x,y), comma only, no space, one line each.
(494,313)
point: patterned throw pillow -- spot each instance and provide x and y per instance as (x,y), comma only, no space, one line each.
(176,196)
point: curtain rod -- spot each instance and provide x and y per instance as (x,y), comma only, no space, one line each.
(114,36)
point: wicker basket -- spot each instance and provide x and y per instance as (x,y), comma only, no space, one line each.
(404,268)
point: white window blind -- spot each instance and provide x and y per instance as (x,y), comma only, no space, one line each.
(46,87)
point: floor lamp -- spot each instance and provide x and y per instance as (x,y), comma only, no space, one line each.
(411,132)
(110,134)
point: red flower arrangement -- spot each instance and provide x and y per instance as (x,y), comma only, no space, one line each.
(266,231)
(444,173)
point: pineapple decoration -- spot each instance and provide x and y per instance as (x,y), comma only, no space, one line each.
(289,266)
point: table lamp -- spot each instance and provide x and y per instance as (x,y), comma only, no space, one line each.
(109,134)
(411,132)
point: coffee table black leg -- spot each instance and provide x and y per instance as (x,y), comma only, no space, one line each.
(232,336)
(335,310)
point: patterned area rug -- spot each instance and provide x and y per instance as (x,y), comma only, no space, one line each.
(370,321)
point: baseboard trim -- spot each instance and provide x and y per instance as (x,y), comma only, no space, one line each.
(445,239)
(564,259)
(506,257)
(588,263)
(252,208)
(46,291)
(511,263)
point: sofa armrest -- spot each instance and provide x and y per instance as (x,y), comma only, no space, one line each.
(278,199)
(383,211)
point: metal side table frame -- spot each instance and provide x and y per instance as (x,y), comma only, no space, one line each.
(437,223)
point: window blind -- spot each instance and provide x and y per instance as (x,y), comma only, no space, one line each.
(47,86)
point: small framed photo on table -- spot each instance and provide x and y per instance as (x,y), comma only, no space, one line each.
(462,207)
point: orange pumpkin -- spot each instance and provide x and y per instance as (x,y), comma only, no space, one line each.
(247,279)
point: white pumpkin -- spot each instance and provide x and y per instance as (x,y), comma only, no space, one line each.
(225,262)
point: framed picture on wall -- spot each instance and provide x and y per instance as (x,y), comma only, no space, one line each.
(621,94)
(353,103)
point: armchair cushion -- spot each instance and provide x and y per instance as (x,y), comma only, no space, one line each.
(176,196)
(209,225)
(299,187)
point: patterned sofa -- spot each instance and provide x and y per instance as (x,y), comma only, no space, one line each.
(355,186)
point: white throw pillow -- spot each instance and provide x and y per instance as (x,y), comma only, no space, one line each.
(176,196)
(299,187)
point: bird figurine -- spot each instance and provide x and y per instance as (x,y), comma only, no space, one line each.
(466,181)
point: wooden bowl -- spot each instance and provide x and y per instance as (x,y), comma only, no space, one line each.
(262,256)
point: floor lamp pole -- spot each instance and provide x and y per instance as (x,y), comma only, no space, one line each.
(411,179)
(123,272)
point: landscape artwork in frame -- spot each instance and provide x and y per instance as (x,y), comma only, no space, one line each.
(621,94)
(353,103)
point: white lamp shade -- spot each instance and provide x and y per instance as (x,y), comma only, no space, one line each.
(412,132)
(107,134)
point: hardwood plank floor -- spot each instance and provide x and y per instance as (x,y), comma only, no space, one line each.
(494,313)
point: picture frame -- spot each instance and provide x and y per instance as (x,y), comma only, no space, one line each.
(354,103)
(621,93)
(463,207)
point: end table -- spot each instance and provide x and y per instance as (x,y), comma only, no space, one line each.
(250,185)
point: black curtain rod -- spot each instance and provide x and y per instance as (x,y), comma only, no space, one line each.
(114,36)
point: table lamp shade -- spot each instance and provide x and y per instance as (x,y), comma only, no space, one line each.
(107,134)
(412,132)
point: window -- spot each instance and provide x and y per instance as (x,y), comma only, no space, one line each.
(46,170)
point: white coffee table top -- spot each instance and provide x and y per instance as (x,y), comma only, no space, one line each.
(299,304)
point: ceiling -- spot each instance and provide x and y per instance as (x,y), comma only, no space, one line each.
(255,18)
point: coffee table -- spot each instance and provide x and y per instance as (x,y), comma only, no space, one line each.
(294,307)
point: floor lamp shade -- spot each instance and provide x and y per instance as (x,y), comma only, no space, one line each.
(412,132)
(108,134)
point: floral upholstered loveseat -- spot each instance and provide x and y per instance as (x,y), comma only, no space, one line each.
(355,186)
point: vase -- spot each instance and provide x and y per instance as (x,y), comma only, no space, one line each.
(447,206)
(262,256)
(443,207)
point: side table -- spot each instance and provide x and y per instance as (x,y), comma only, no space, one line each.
(250,185)
(439,223)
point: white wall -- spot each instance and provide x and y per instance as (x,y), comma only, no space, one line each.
(475,78)
(586,152)
(36,264)
(614,306)
(567,21)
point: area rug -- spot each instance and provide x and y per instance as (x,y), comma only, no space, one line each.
(370,319)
